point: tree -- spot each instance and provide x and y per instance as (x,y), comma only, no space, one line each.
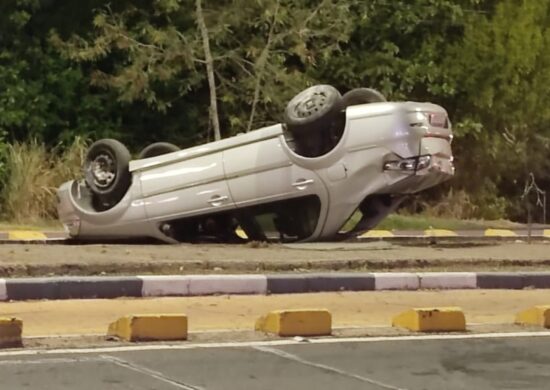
(499,71)
(42,95)
(152,53)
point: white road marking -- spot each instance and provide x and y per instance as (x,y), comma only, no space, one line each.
(161,347)
(147,371)
(64,336)
(50,361)
(235,331)
(324,367)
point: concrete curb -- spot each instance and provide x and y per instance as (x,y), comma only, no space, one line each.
(73,287)
(17,289)
(3,292)
(429,235)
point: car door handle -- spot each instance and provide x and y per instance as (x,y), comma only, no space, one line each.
(302,183)
(217,200)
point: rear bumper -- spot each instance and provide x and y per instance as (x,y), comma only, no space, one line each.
(439,170)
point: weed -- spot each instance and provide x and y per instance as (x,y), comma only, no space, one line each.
(32,175)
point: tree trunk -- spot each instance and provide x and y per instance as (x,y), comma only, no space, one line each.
(214,119)
(261,67)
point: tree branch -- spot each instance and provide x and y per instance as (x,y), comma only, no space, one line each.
(261,67)
(209,70)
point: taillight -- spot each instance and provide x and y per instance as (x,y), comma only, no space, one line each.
(438,119)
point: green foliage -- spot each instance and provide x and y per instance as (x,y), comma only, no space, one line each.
(32,175)
(43,95)
(135,70)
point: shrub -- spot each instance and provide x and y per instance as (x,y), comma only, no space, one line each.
(32,174)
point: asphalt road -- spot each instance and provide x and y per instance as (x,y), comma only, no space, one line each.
(473,363)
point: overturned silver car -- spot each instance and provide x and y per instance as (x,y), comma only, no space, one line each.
(302,180)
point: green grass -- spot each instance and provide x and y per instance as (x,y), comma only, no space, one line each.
(421,222)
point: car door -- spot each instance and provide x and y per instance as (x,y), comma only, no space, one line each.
(261,173)
(187,188)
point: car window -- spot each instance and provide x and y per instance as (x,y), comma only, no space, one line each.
(287,220)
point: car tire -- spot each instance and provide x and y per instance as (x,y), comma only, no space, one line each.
(157,149)
(106,170)
(361,96)
(312,108)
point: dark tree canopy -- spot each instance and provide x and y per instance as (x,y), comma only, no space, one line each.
(137,70)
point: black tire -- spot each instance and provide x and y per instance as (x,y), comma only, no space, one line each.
(361,96)
(157,149)
(106,170)
(312,108)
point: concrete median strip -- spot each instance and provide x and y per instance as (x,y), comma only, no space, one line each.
(71,287)
(11,330)
(537,316)
(150,327)
(300,322)
(437,319)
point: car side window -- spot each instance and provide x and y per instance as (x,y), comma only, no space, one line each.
(286,220)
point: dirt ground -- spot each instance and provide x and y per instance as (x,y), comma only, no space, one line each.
(349,309)
(43,260)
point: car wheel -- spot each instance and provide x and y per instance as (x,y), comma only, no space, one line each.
(361,96)
(106,169)
(157,149)
(312,107)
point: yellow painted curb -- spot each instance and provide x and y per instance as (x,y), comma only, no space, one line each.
(499,233)
(26,235)
(440,233)
(150,327)
(546,233)
(240,232)
(436,319)
(10,332)
(307,322)
(536,315)
(376,234)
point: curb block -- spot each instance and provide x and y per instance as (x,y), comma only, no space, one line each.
(436,319)
(300,322)
(319,282)
(10,332)
(3,291)
(164,285)
(72,287)
(227,284)
(447,280)
(537,316)
(500,233)
(188,285)
(507,280)
(26,235)
(396,281)
(150,327)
